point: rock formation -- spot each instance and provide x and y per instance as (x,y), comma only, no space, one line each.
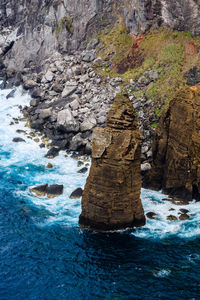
(39,28)
(111,198)
(176,159)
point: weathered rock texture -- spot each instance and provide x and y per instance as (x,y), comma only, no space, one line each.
(39,28)
(111,198)
(176,159)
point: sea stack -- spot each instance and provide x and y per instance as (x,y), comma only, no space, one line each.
(176,147)
(111,198)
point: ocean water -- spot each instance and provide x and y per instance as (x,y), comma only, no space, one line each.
(45,255)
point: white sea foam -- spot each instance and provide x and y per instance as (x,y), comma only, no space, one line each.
(162,273)
(62,209)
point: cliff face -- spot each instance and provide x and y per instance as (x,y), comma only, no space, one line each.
(39,28)
(176,162)
(111,198)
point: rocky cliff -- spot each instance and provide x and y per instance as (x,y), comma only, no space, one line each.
(111,198)
(176,161)
(36,29)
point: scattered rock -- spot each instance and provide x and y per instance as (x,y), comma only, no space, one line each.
(80,163)
(66,121)
(151,215)
(53,152)
(18,140)
(49,166)
(172,218)
(184,217)
(40,190)
(11,94)
(50,191)
(77,193)
(88,56)
(54,190)
(68,89)
(184,211)
(83,170)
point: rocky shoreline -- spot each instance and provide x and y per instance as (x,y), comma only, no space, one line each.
(70,98)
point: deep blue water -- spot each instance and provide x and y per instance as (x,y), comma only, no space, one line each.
(44,255)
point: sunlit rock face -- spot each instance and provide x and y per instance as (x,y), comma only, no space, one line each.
(111,198)
(38,29)
(176,159)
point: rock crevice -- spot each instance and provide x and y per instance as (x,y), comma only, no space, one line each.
(176,161)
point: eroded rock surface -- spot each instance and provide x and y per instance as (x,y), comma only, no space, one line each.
(111,198)
(176,160)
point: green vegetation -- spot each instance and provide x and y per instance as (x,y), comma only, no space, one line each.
(64,23)
(115,43)
(167,52)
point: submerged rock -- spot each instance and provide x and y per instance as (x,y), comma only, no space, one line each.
(111,198)
(176,160)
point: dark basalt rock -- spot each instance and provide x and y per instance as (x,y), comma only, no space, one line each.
(151,215)
(184,217)
(40,190)
(18,140)
(83,170)
(50,191)
(111,197)
(172,218)
(54,190)
(53,152)
(77,193)
(11,94)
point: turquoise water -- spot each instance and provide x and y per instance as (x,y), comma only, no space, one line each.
(44,254)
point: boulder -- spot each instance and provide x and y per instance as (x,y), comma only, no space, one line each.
(69,89)
(18,140)
(66,121)
(53,152)
(45,113)
(40,190)
(29,84)
(151,215)
(77,193)
(77,142)
(82,170)
(111,197)
(88,56)
(11,94)
(49,166)
(54,190)
(176,160)
(50,191)
(172,218)
(88,124)
(184,217)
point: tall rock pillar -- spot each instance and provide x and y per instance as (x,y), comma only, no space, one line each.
(111,198)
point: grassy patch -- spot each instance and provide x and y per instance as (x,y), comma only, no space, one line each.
(64,23)
(169,53)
